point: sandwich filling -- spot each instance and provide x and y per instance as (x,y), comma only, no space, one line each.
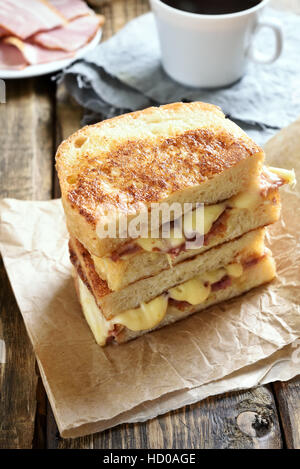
(186,297)
(214,218)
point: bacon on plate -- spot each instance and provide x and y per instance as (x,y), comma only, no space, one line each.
(71,9)
(72,36)
(34,32)
(34,54)
(11,58)
(23,18)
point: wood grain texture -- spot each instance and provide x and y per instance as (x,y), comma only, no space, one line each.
(40,426)
(118,12)
(17,377)
(26,168)
(246,419)
(68,117)
(26,137)
(288,401)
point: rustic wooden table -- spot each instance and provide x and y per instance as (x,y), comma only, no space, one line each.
(36,117)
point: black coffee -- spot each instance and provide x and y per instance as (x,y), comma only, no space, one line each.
(212,7)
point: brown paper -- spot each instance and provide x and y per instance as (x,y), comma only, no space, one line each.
(241,343)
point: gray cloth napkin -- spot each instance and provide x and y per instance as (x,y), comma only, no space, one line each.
(125,74)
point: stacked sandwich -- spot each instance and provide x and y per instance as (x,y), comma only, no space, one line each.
(183,154)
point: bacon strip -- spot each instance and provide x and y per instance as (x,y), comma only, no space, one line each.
(34,54)
(221,284)
(25,18)
(270,181)
(71,9)
(218,227)
(72,36)
(3,32)
(11,58)
(127,249)
(251,261)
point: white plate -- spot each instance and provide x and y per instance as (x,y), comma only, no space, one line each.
(50,67)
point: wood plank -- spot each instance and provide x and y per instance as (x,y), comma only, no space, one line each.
(246,419)
(39,437)
(26,171)
(17,377)
(118,12)
(288,400)
(26,137)
(68,117)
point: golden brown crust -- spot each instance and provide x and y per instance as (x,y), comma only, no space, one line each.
(147,172)
(98,285)
(124,172)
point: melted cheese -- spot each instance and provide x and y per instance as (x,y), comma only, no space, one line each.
(194,222)
(286,174)
(248,199)
(193,291)
(214,276)
(176,239)
(147,316)
(211,214)
(252,197)
(98,324)
(234,270)
(148,244)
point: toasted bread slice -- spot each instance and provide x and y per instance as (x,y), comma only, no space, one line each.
(254,275)
(113,303)
(181,152)
(131,265)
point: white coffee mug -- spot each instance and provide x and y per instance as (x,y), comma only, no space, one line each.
(210,51)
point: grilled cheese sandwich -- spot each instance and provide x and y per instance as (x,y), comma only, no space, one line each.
(184,153)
